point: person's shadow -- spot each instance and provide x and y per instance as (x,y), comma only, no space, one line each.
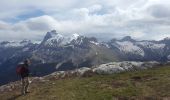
(15,97)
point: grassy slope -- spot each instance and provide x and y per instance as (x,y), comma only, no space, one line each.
(150,84)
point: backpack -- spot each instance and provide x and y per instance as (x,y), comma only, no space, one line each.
(20,69)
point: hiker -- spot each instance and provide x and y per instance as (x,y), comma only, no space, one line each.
(23,72)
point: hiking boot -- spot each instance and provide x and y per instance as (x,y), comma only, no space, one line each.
(27,92)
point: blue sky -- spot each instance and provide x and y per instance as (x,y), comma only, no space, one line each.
(25,16)
(31,19)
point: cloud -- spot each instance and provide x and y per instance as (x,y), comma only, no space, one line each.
(4,25)
(160,11)
(142,19)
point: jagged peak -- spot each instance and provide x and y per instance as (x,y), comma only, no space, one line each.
(74,37)
(52,34)
(167,38)
(127,38)
(53,31)
(113,40)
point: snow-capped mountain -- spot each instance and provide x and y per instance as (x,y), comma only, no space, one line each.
(130,49)
(54,39)
(10,49)
(59,52)
(56,48)
(8,44)
(74,48)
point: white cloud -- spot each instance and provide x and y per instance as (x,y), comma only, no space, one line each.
(4,25)
(101,18)
(95,8)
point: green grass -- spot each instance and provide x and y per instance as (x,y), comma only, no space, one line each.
(152,84)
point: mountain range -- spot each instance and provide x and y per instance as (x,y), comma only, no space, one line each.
(57,52)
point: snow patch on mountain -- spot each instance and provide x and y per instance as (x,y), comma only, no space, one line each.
(151,45)
(74,37)
(8,44)
(25,49)
(93,42)
(55,39)
(129,47)
(12,44)
(67,40)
